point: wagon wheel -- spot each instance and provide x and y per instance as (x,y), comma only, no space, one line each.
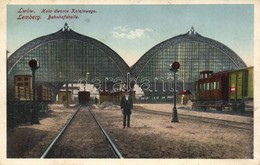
(234,107)
(241,107)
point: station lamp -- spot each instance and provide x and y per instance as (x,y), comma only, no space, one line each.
(174,67)
(34,64)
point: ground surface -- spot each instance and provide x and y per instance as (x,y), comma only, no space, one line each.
(155,136)
(150,136)
(29,141)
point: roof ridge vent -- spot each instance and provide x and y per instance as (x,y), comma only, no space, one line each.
(192,31)
(66,27)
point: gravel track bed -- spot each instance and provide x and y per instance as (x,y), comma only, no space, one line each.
(82,139)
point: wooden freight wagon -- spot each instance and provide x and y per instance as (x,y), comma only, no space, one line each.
(23,87)
(240,88)
(241,84)
(43,93)
(23,93)
(84,97)
(224,89)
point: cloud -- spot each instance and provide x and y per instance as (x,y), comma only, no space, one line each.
(128,33)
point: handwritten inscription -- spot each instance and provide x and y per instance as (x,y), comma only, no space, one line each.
(51,14)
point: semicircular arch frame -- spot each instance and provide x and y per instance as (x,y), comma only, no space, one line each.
(190,36)
(66,34)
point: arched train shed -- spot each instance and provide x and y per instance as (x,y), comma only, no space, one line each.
(194,52)
(68,56)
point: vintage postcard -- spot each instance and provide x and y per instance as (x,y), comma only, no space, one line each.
(142,82)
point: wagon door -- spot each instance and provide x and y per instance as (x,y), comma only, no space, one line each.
(236,85)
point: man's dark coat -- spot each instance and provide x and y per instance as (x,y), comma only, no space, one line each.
(127,105)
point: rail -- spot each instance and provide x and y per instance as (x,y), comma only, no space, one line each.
(111,143)
(58,136)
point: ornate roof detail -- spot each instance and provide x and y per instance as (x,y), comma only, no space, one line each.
(192,31)
(66,27)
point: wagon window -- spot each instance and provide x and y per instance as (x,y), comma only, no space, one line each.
(217,85)
(20,84)
(201,87)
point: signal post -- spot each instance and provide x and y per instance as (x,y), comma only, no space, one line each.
(174,67)
(35,112)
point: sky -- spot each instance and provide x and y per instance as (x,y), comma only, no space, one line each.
(131,30)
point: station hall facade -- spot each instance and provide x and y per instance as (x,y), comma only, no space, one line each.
(69,56)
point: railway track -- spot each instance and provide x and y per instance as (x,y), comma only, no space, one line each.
(82,137)
(222,122)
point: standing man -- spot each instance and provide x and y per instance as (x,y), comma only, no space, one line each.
(126,107)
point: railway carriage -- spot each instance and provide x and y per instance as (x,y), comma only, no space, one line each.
(24,91)
(224,89)
(241,84)
(23,99)
(43,93)
(84,97)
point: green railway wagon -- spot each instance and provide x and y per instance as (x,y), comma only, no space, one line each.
(241,84)
(250,83)
(240,88)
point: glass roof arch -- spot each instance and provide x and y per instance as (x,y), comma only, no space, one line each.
(194,52)
(65,55)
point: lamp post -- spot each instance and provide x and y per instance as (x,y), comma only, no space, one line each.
(174,67)
(35,112)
